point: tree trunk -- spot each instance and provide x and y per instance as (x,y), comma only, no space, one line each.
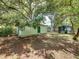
(76,35)
(38,29)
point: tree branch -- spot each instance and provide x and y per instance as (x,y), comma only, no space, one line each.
(13,8)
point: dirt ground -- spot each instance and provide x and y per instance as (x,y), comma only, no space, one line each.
(46,46)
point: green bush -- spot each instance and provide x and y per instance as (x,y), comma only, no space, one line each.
(7,30)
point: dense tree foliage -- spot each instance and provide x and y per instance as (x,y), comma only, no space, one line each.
(21,12)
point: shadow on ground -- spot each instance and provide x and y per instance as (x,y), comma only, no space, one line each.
(40,45)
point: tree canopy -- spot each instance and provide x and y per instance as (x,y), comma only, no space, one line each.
(23,11)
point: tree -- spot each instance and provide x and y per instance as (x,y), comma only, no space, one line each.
(27,10)
(37,22)
(21,9)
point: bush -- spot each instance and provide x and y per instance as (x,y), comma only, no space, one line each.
(7,30)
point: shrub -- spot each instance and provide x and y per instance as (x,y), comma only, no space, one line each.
(7,30)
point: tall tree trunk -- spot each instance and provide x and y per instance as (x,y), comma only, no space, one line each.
(38,29)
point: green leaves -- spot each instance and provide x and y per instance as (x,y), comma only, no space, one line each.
(37,21)
(26,10)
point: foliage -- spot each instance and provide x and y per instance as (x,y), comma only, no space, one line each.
(5,31)
(27,10)
(36,23)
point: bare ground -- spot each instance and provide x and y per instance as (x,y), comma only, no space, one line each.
(45,46)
